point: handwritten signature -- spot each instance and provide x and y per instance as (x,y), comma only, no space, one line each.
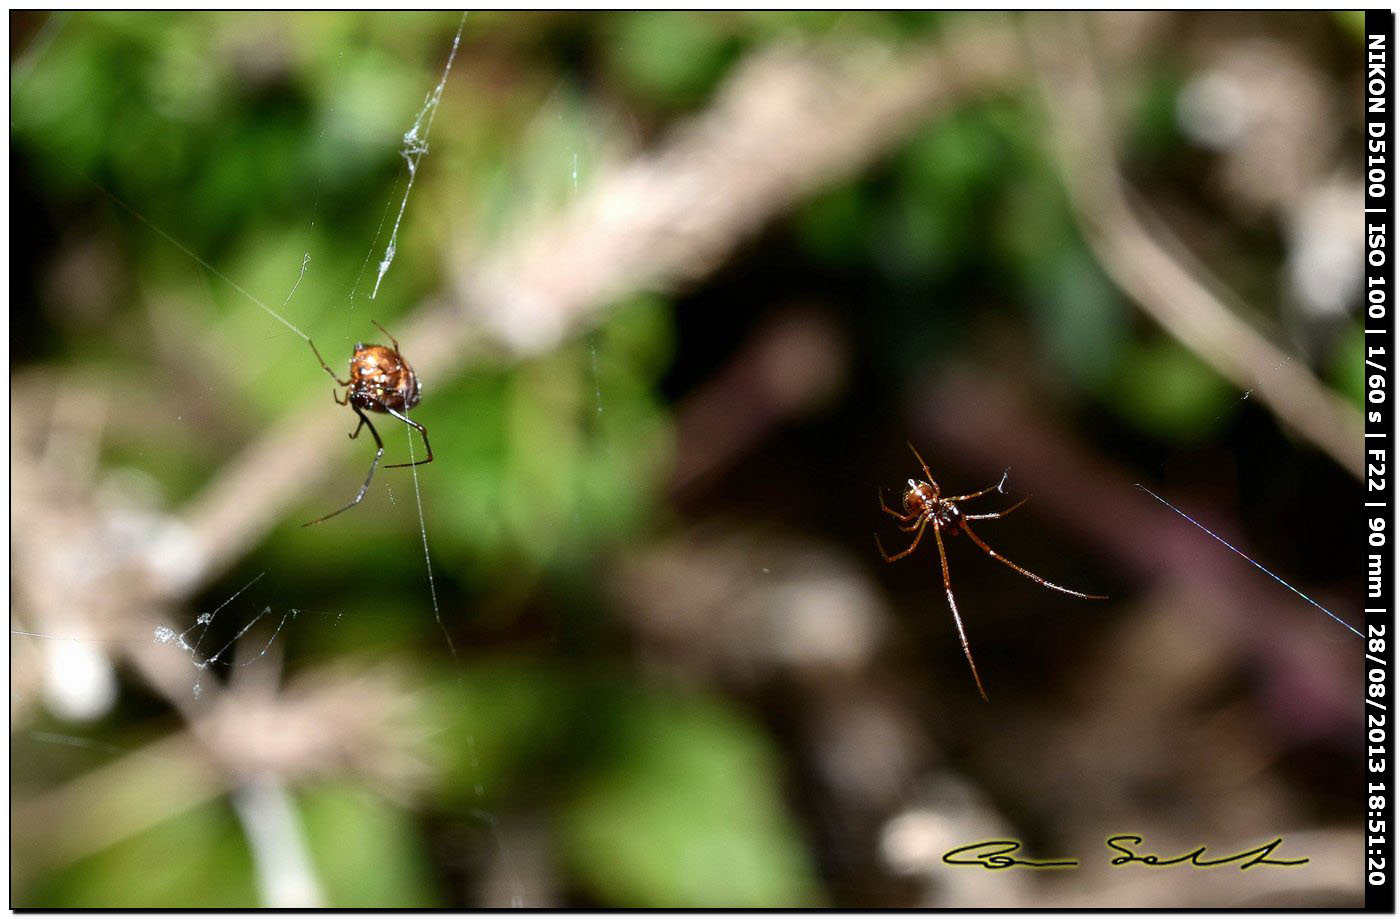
(997,854)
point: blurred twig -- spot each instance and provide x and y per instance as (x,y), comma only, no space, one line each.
(335,721)
(792,119)
(1151,268)
(285,876)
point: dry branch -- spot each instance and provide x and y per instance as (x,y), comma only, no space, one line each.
(1184,300)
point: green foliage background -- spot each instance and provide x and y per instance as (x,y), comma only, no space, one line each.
(255,138)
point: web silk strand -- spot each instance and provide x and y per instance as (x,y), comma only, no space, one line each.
(415,144)
(1227,545)
(427,559)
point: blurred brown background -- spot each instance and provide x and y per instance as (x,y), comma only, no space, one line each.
(680,286)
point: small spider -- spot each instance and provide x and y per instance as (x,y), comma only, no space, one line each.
(381,381)
(924,505)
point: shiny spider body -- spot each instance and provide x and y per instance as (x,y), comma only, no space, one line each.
(380,380)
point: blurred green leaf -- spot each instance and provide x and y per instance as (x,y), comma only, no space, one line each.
(954,159)
(502,724)
(198,860)
(833,224)
(948,173)
(1352,21)
(1154,132)
(1167,391)
(687,813)
(672,57)
(1347,368)
(1079,313)
(366,851)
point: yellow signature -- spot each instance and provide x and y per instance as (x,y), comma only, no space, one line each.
(998,854)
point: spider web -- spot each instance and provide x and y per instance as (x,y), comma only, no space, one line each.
(202,659)
(415,147)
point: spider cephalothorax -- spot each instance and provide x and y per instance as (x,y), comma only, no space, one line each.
(921,499)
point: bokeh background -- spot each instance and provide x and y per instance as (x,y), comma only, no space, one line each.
(680,287)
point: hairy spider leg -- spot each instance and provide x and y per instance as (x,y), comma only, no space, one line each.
(957,620)
(903,518)
(923,521)
(326,367)
(976,494)
(927,472)
(391,338)
(366,423)
(997,514)
(1034,577)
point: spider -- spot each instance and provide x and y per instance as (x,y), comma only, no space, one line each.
(381,381)
(924,504)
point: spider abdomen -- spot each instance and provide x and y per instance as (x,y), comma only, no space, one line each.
(950,517)
(381,379)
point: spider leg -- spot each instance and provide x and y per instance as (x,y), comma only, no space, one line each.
(421,430)
(976,494)
(339,401)
(326,366)
(957,620)
(1034,577)
(395,343)
(912,546)
(904,518)
(986,491)
(372,466)
(997,514)
(358,426)
(926,469)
